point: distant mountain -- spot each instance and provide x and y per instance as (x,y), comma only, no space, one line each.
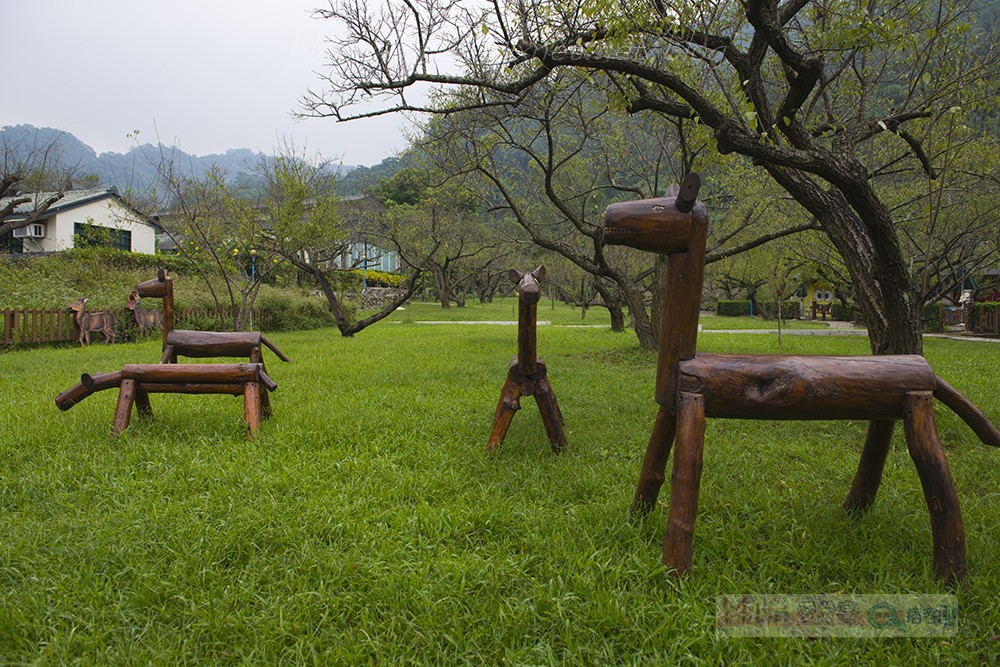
(132,171)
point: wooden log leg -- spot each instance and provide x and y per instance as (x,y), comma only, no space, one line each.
(168,355)
(654,463)
(947,527)
(510,403)
(869,475)
(251,407)
(142,404)
(265,403)
(552,419)
(265,399)
(503,395)
(685,481)
(123,413)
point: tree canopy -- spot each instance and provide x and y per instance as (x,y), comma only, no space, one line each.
(829,97)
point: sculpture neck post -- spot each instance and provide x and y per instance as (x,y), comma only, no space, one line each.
(681,307)
(527,349)
(168,308)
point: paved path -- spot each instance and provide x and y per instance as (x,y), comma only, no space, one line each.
(836,329)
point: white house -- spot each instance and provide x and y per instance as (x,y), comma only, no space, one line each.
(96,217)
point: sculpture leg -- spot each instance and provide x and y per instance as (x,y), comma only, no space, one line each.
(265,399)
(685,481)
(869,475)
(655,462)
(947,527)
(142,405)
(251,407)
(123,413)
(552,417)
(510,402)
(168,355)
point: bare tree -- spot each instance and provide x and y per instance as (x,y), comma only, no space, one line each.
(24,171)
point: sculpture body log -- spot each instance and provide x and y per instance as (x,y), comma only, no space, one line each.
(137,381)
(780,387)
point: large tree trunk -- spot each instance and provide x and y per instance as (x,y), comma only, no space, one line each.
(442,285)
(861,229)
(637,310)
(614,305)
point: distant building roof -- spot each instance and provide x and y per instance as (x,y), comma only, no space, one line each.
(70,199)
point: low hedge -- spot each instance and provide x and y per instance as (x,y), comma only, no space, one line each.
(789,309)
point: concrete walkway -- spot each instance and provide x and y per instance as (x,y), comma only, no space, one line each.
(836,329)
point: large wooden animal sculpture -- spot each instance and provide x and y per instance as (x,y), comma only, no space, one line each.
(526,375)
(99,321)
(144,319)
(691,387)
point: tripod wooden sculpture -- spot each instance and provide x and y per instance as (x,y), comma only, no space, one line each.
(691,387)
(526,375)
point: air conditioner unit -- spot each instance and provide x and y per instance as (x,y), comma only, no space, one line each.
(32,231)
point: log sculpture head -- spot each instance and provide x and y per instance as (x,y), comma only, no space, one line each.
(528,290)
(662,224)
(676,225)
(155,288)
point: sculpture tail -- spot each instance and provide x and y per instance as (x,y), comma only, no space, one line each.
(969,413)
(274,348)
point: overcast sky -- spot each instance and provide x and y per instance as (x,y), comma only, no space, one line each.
(208,75)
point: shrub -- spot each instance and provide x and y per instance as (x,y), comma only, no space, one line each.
(733,308)
(789,309)
(842,313)
(281,311)
(931,318)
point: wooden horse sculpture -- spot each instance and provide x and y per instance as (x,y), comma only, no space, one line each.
(205,344)
(691,387)
(526,375)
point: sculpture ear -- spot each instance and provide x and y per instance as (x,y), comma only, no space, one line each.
(539,273)
(515,275)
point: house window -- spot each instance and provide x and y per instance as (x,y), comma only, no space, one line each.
(9,244)
(85,235)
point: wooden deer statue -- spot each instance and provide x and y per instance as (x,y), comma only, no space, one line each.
(526,375)
(144,319)
(691,387)
(99,321)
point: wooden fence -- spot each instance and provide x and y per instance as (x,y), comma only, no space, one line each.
(989,321)
(33,326)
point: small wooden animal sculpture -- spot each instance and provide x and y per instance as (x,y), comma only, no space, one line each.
(184,343)
(99,321)
(136,382)
(526,375)
(691,387)
(205,344)
(144,319)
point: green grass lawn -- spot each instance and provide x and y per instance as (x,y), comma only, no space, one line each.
(365,525)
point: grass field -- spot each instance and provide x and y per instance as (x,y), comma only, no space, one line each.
(365,525)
